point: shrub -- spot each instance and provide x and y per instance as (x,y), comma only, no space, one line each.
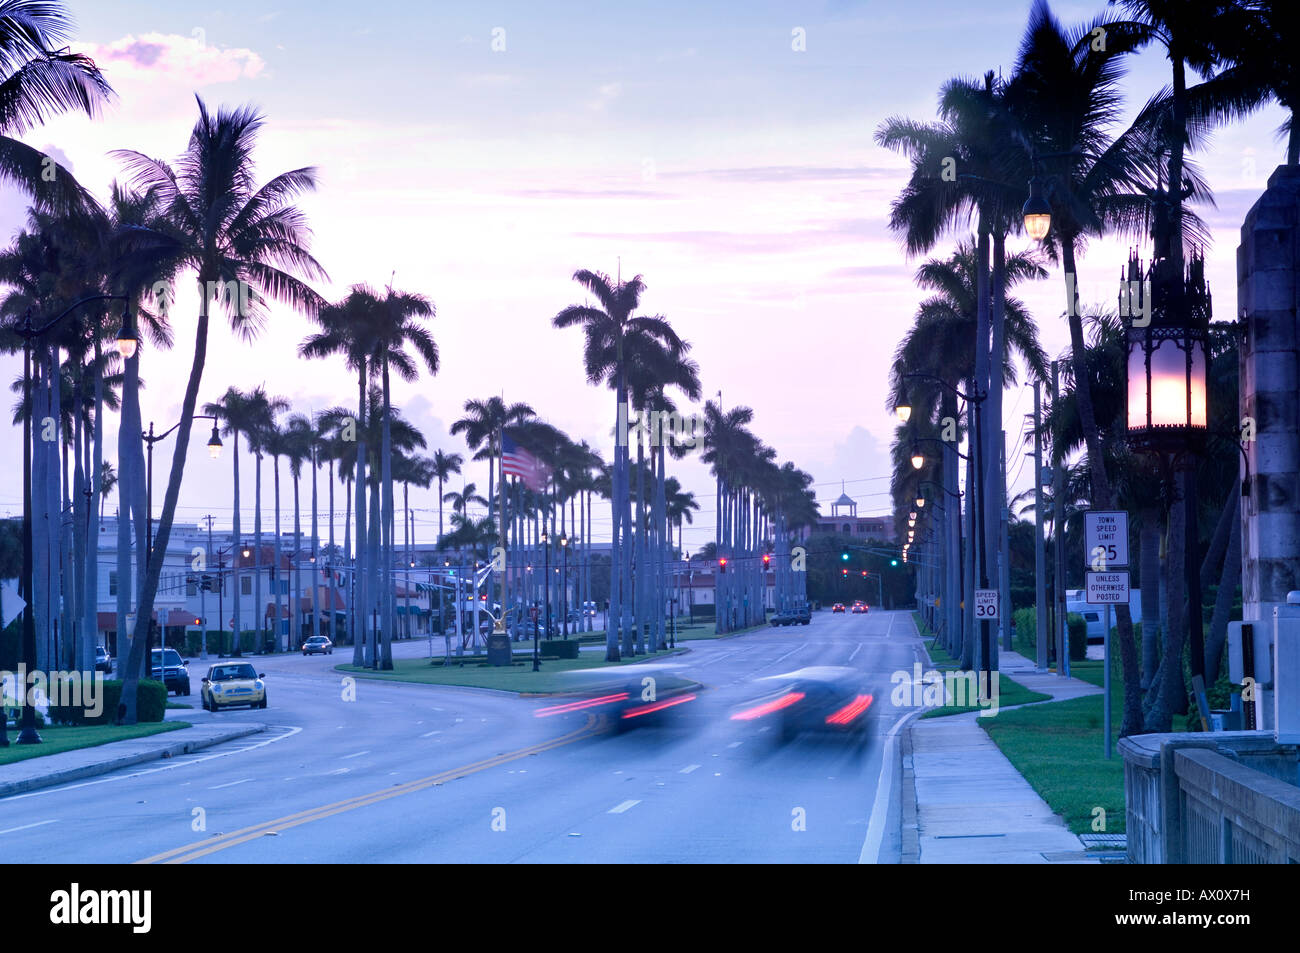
(1026,637)
(1078,629)
(560,648)
(151,704)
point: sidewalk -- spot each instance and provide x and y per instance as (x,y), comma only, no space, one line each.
(82,763)
(968,802)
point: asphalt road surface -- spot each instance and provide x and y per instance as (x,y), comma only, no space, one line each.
(413,773)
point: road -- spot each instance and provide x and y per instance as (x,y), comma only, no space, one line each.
(376,771)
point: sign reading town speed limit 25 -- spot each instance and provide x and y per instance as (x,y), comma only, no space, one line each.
(986,605)
(1105,534)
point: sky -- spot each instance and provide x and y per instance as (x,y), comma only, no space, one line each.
(481,153)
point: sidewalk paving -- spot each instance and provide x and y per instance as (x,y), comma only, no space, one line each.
(50,770)
(970,804)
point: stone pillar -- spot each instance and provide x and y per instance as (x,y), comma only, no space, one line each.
(1268,260)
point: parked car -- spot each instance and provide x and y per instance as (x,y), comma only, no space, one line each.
(318,643)
(232,684)
(103,661)
(168,667)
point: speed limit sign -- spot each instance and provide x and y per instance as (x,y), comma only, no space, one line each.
(986,604)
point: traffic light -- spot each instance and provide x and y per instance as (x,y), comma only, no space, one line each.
(767,560)
(722,564)
(844,572)
(893,562)
(864,574)
(844,555)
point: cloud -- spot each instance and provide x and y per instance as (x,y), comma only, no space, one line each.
(164,57)
(604,96)
(589,194)
(846,231)
(871,271)
(790,173)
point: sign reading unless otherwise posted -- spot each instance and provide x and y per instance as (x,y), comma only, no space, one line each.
(1105,534)
(1106,588)
(986,604)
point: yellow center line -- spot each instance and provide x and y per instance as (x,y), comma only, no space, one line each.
(188,852)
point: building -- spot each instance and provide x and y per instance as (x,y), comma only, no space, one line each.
(844,519)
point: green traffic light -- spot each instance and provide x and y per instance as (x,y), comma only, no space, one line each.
(893,562)
(844,556)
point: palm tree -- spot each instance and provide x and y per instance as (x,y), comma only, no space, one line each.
(263,411)
(482,426)
(396,326)
(273,441)
(444,465)
(228,230)
(107,481)
(348,329)
(299,436)
(40,78)
(607,326)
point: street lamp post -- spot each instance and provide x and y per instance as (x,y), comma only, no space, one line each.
(214,451)
(564,582)
(974,398)
(546,549)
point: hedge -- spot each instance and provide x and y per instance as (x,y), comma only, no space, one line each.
(1026,635)
(560,648)
(151,703)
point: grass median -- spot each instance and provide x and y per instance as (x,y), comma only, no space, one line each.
(1058,748)
(516,677)
(57,739)
(1010,692)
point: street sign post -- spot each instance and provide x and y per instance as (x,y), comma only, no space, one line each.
(986,605)
(1105,534)
(1107,589)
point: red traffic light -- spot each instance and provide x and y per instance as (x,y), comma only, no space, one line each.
(844,572)
(722,564)
(767,560)
(864,574)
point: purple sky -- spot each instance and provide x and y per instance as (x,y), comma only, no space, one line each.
(735,173)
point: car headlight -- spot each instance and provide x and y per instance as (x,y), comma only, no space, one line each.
(258,685)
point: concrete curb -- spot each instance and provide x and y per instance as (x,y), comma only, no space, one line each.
(114,762)
(475,688)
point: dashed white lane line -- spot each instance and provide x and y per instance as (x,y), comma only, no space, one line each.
(229,784)
(855,652)
(10,830)
(689,768)
(735,744)
(430,734)
(624,807)
(356,755)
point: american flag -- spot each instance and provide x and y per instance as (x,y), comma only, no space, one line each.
(519,462)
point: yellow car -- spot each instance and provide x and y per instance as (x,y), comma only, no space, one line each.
(232,684)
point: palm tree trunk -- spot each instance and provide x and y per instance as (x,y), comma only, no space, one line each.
(1223,600)
(315,547)
(259,607)
(295,611)
(277,572)
(1149,557)
(386,462)
(150,586)
(236,553)
(360,644)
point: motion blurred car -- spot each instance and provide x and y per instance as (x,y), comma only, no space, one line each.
(819,698)
(103,661)
(626,696)
(318,643)
(838,607)
(859,607)
(233,684)
(168,667)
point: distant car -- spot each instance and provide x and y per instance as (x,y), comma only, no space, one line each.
(838,607)
(232,684)
(804,614)
(170,669)
(859,607)
(318,643)
(103,661)
(820,698)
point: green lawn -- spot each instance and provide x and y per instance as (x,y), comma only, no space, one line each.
(1010,693)
(58,738)
(1058,749)
(518,677)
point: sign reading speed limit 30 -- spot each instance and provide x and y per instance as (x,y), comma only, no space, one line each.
(1105,534)
(986,604)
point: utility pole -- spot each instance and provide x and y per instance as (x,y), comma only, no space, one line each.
(1059,627)
(203,592)
(1040,557)
(1004,568)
